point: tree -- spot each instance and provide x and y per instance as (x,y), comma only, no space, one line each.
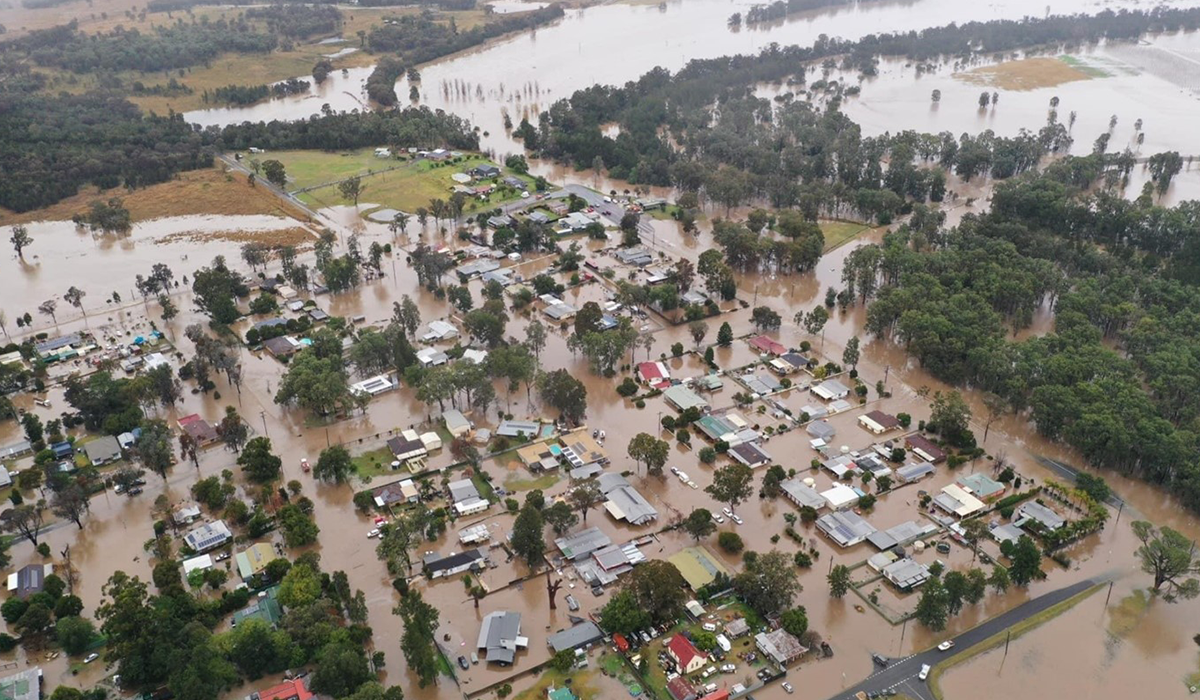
(999,580)
(233,430)
(1168,556)
(769,583)
(730,542)
(564,392)
(417,642)
(535,338)
(731,484)
(996,406)
(956,588)
(334,464)
(850,355)
(341,668)
(74,297)
(258,462)
(407,314)
(698,329)
(839,581)
(623,614)
(75,634)
(933,607)
(587,320)
(765,318)
(725,335)
(26,519)
(20,240)
(298,527)
(275,172)
(646,449)
(794,621)
(584,497)
(48,308)
(35,621)
(70,502)
(561,517)
(316,383)
(977,582)
(699,524)
(814,321)
(950,415)
(658,588)
(1026,562)
(974,532)
(528,540)
(351,188)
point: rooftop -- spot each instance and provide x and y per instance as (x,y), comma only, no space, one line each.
(500,636)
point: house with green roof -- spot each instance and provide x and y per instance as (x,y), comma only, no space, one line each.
(264,607)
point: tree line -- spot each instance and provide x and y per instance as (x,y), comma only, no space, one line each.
(249,94)
(416,39)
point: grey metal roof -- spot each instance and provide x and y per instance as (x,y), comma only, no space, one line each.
(801,494)
(580,635)
(500,635)
(587,471)
(435,562)
(635,508)
(683,397)
(901,534)
(582,543)
(845,527)
(1032,510)
(906,573)
(912,472)
(57,343)
(208,535)
(103,449)
(462,490)
(513,428)
(821,429)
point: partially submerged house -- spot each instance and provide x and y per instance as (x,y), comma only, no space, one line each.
(200,430)
(845,528)
(625,502)
(802,494)
(906,574)
(28,580)
(878,422)
(911,473)
(102,450)
(208,536)
(500,637)
(830,390)
(440,566)
(750,454)
(440,330)
(925,448)
(780,646)
(254,559)
(466,498)
(683,398)
(956,501)
(579,636)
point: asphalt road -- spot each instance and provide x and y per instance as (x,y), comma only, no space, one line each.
(901,674)
(610,211)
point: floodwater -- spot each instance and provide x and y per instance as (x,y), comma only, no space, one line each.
(522,73)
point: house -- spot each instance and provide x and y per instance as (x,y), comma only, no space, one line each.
(652,373)
(717,429)
(432,357)
(475,268)
(16,449)
(456,423)
(62,450)
(878,422)
(911,473)
(577,221)
(500,637)
(186,515)
(294,689)
(956,501)
(474,356)
(636,257)
(254,559)
(539,217)
(648,203)
(813,412)
(607,564)
(780,646)
(281,346)
(924,448)
(200,563)
(683,398)
(578,636)
(796,360)
(711,382)
(487,170)
(697,566)
(846,528)
(624,502)
(581,451)
(466,498)
(982,486)
(737,628)
(500,221)
(681,688)
(840,496)
(5,478)
(514,182)
(1032,511)
(475,534)
(900,535)
(686,655)
(383,153)
(208,536)
(830,390)
(287,292)
(407,446)
(561,311)
(23,685)
(374,386)
(750,454)
(539,456)
(766,345)
(403,491)
(517,428)
(906,574)
(821,430)
(762,384)
(29,580)
(802,494)
(439,566)
(199,429)
(317,315)
(440,330)
(841,467)
(1009,532)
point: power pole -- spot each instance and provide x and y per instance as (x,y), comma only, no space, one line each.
(1007,639)
(262,413)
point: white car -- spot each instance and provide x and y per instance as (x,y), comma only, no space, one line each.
(728,513)
(946,645)
(736,519)
(91,657)
(682,476)
(675,471)
(718,518)
(728,668)
(373,533)
(709,627)
(924,672)
(787,688)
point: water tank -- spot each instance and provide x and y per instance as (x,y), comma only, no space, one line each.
(918,546)
(810,482)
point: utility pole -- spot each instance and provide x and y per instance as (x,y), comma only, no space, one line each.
(262,413)
(1007,639)
(903,627)
(1106,598)
(1119,509)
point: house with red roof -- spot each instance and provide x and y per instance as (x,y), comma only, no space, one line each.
(653,373)
(201,430)
(689,658)
(288,690)
(681,688)
(721,694)
(765,344)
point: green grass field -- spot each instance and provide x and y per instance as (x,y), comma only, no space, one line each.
(544,482)
(373,463)
(838,232)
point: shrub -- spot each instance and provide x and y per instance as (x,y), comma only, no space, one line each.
(640,403)
(708,455)
(512,505)
(905,420)
(803,560)
(628,387)
(684,436)
(730,542)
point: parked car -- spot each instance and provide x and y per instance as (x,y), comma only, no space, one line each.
(737,519)
(924,672)
(135,490)
(787,688)
(91,657)
(463,663)
(728,668)
(728,513)
(373,533)
(572,604)
(880,659)
(720,520)
(597,591)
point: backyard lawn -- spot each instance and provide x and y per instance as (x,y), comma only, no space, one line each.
(838,232)
(373,463)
